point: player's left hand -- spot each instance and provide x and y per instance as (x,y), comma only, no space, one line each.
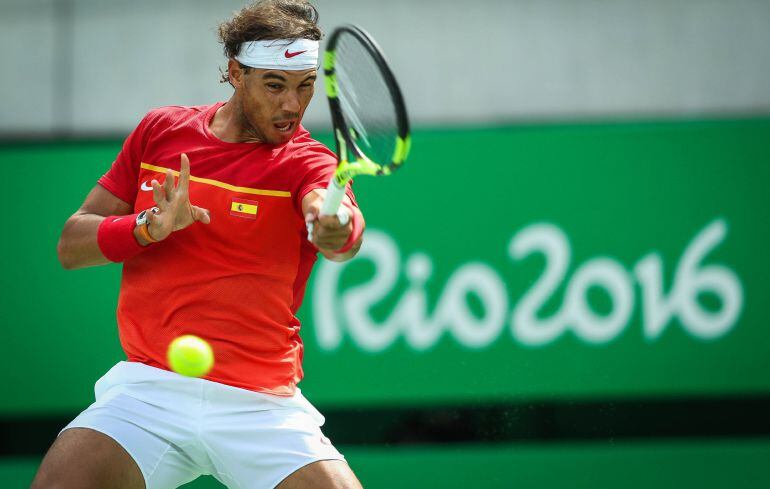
(173,201)
(328,233)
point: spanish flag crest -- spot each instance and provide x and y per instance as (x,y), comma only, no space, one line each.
(244,208)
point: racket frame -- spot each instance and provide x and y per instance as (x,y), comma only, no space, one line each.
(351,159)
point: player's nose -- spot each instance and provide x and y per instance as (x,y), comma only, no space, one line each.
(290,102)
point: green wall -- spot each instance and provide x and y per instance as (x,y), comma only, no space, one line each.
(533,262)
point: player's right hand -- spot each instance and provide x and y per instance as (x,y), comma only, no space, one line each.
(173,201)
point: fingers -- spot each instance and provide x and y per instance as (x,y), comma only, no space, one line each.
(184,175)
(328,234)
(164,194)
(201,214)
(330,243)
(330,222)
(174,201)
(168,185)
(311,216)
(159,195)
(155,226)
(323,234)
(326,231)
(312,209)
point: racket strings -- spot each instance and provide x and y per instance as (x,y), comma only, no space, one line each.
(367,104)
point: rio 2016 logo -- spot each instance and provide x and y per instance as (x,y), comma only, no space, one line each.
(335,310)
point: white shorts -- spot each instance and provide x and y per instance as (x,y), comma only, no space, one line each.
(177,428)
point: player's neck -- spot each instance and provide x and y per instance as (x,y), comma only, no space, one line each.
(227,125)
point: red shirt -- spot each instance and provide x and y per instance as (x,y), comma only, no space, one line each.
(238,281)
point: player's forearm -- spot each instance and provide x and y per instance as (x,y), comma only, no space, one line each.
(78,246)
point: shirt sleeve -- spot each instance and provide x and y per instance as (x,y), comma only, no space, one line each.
(318,163)
(121,178)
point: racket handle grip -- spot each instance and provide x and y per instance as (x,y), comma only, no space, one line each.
(331,206)
(333,198)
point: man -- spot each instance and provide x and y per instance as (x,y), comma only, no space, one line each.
(221,253)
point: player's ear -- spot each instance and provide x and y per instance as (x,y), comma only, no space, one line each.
(235,73)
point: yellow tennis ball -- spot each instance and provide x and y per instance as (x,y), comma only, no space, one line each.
(191,356)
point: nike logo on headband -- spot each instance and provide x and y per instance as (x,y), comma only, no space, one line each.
(291,55)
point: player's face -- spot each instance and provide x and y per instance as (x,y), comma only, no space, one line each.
(274,101)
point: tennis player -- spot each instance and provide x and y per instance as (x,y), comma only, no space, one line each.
(220,252)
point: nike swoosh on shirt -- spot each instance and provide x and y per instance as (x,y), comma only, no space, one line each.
(291,55)
(146,187)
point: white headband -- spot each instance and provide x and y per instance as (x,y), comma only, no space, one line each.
(280,54)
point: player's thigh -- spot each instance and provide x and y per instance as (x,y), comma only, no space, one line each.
(83,458)
(324,474)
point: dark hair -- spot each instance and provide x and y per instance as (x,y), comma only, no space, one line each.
(269,19)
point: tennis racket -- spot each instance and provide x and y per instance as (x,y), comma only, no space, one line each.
(371,127)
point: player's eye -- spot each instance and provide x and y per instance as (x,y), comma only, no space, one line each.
(274,86)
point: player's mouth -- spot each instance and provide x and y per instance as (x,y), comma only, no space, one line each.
(285,126)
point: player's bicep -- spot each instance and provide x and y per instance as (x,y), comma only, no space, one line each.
(102,202)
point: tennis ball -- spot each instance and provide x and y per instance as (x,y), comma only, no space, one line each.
(191,356)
